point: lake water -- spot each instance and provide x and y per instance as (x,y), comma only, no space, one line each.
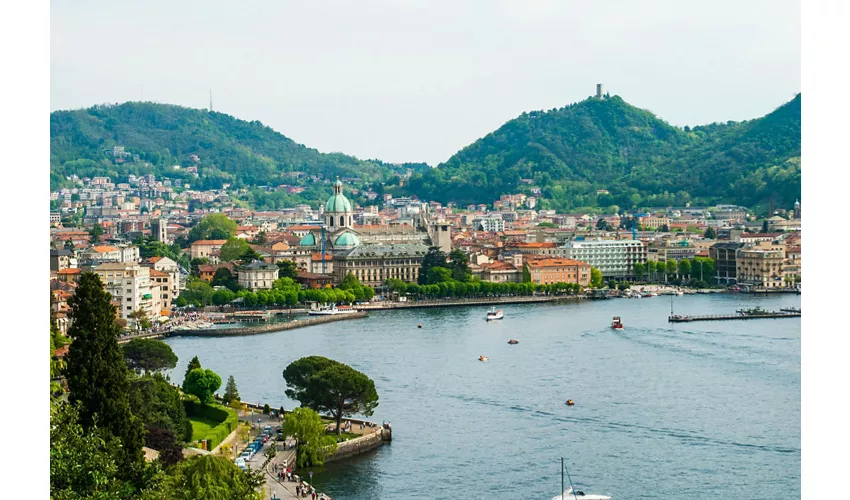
(675,411)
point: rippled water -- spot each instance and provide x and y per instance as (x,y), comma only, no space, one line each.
(674,411)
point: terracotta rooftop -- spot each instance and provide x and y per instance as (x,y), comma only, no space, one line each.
(554,263)
(208,242)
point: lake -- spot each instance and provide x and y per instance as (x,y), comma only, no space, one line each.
(675,411)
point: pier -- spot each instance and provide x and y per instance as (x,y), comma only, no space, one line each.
(676,318)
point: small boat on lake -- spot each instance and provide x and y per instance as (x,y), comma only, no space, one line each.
(616,323)
(570,493)
(494,313)
(483,358)
(513,341)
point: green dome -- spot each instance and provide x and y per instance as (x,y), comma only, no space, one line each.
(338,203)
(347,240)
(308,241)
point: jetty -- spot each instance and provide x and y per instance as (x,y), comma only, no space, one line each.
(678,318)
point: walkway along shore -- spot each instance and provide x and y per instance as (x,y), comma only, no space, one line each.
(268,328)
(413,304)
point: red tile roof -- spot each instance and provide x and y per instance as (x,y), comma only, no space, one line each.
(208,242)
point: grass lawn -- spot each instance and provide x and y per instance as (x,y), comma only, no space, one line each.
(201,427)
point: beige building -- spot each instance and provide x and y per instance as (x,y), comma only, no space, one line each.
(130,286)
(202,249)
(654,222)
(762,267)
(161,290)
(257,275)
(374,264)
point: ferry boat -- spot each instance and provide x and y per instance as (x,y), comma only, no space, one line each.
(331,311)
(494,313)
(616,323)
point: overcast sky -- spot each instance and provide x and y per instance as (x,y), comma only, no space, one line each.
(416,80)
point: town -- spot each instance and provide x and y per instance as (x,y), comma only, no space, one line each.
(159,246)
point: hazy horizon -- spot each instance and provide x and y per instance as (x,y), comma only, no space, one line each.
(419,81)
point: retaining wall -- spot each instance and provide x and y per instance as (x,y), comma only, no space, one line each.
(357,446)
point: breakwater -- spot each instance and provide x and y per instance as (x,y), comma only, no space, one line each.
(267,328)
(464,302)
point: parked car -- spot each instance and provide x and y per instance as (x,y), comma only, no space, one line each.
(246,455)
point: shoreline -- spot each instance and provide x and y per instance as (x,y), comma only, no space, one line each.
(267,328)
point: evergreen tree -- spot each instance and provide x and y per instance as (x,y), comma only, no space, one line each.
(231,393)
(195,363)
(96,372)
(710,234)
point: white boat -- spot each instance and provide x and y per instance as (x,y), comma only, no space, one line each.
(205,325)
(494,313)
(579,495)
(330,311)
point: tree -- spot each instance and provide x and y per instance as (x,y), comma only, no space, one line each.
(202,383)
(710,234)
(97,374)
(671,267)
(69,245)
(209,477)
(305,425)
(194,363)
(595,277)
(640,270)
(84,462)
(213,227)
(437,274)
(665,228)
(327,385)
(684,268)
(288,269)
(231,393)
(236,249)
(434,258)
(459,265)
(260,239)
(157,403)
(764,227)
(164,441)
(149,355)
(95,232)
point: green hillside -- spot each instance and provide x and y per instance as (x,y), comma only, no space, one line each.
(607,144)
(233,151)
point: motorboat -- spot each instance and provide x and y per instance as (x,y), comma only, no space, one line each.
(616,323)
(570,402)
(513,341)
(483,358)
(636,295)
(331,311)
(494,313)
(205,325)
(569,495)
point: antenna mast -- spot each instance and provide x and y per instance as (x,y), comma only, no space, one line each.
(211,107)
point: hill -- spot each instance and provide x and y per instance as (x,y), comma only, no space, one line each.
(606,144)
(158,137)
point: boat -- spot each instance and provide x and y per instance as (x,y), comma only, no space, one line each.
(679,293)
(755,311)
(205,325)
(483,358)
(790,310)
(636,295)
(570,402)
(420,325)
(513,341)
(494,313)
(330,311)
(616,323)
(572,493)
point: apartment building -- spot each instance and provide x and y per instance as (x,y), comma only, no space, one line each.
(202,249)
(257,275)
(761,267)
(130,286)
(614,258)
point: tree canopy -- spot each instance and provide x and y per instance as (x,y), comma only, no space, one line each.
(209,477)
(305,425)
(202,383)
(213,227)
(327,385)
(149,355)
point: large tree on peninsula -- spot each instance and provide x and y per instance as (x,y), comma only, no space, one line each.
(97,374)
(327,385)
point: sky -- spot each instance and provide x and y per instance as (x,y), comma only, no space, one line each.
(416,80)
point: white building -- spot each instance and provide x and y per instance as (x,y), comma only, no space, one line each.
(257,275)
(491,224)
(130,285)
(614,258)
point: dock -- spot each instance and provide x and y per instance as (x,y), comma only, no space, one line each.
(676,318)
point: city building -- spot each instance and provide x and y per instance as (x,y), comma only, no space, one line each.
(725,256)
(761,267)
(159,230)
(161,290)
(374,264)
(202,249)
(130,286)
(257,275)
(614,258)
(546,270)
(491,224)
(60,259)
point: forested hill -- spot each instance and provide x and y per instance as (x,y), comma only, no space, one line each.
(230,150)
(606,144)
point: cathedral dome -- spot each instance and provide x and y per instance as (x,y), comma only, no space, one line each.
(338,203)
(308,241)
(347,240)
